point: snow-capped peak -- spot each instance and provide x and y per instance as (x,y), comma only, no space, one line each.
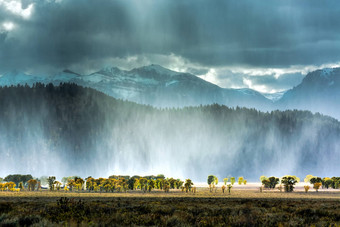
(156,68)
(111,70)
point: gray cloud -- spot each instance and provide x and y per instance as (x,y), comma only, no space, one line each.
(61,34)
(284,82)
(271,82)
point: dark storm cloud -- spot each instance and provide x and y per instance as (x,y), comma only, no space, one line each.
(60,34)
(250,33)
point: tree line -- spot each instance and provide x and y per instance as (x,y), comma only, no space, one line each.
(287,182)
(114,183)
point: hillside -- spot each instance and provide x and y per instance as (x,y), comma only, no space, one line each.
(68,130)
(318,92)
(151,85)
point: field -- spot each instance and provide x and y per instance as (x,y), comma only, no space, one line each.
(245,206)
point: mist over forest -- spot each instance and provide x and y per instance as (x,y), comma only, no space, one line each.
(70,130)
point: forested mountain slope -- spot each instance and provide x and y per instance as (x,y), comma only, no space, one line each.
(70,130)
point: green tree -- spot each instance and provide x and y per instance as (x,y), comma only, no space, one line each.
(288,183)
(143,183)
(336,182)
(188,184)
(327,182)
(90,183)
(179,183)
(80,182)
(172,182)
(17,178)
(51,181)
(240,180)
(315,180)
(166,186)
(225,180)
(71,184)
(132,183)
(151,184)
(270,182)
(159,183)
(211,180)
(263,178)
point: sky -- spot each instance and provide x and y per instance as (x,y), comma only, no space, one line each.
(266,45)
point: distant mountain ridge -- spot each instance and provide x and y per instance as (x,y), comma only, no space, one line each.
(319,92)
(157,86)
(152,85)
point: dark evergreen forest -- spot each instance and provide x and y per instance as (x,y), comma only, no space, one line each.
(70,130)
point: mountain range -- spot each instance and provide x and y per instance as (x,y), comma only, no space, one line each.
(157,86)
(69,130)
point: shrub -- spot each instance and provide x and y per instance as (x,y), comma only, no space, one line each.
(316,186)
(306,188)
(223,188)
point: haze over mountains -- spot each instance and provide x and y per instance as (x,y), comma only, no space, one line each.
(83,131)
(70,130)
(161,87)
